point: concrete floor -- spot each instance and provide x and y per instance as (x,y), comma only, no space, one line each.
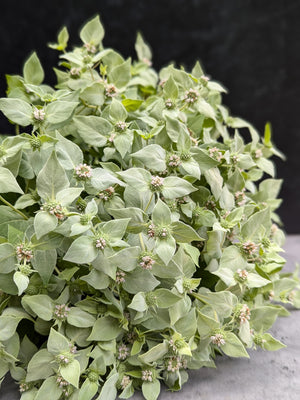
(265,376)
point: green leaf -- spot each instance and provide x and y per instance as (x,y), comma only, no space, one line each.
(161,214)
(17,110)
(251,228)
(155,353)
(151,390)
(263,317)
(71,372)
(8,326)
(21,282)
(8,182)
(142,49)
(170,88)
(33,71)
(174,187)
(82,250)
(271,344)
(184,233)
(233,347)
(138,302)
(88,390)
(49,386)
(92,32)
(165,298)
(132,104)
(102,179)
(44,223)
(93,130)
(7,258)
(44,262)
(140,280)
(204,160)
(41,305)
(138,218)
(109,390)
(57,343)
(51,179)
(59,111)
(120,75)
(129,257)
(165,248)
(39,366)
(115,228)
(152,156)
(117,111)
(68,153)
(80,318)
(105,329)
(93,94)
(97,279)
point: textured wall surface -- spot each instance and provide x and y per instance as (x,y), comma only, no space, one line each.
(251,46)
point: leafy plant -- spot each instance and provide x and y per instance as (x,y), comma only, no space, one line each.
(138,235)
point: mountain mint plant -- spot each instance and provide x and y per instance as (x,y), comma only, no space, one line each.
(138,233)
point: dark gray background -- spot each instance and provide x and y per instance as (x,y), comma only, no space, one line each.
(251,46)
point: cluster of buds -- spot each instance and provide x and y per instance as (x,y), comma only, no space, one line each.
(35,142)
(177,344)
(187,285)
(169,103)
(174,161)
(106,194)
(72,348)
(147,375)
(156,183)
(120,277)
(83,171)
(274,229)
(85,219)
(81,204)
(64,358)
(39,114)
(210,205)
(244,313)
(271,295)
(258,339)
(234,158)
(146,262)
(258,153)
(54,208)
(90,48)
(291,296)
(151,230)
(131,337)
(174,363)
(240,197)
(25,269)
(204,78)
(249,247)
(93,376)
(111,90)
(75,72)
(61,382)
(125,381)
(185,156)
(151,299)
(162,232)
(24,252)
(215,153)
(100,243)
(241,275)
(23,387)
(191,96)
(61,311)
(162,83)
(120,126)
(123,352)
(218,339)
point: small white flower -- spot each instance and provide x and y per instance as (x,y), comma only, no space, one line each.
(157,182)
(147,375)
(243,274)
(123,352)
(120,277)
(83,171)
(191,96)
(111,90)
(61,311)
(218,339)
(125,381)
(38,114)
(100,243)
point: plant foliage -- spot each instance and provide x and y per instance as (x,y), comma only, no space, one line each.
(138,233)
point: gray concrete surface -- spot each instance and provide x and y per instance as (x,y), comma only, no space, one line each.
(265,376)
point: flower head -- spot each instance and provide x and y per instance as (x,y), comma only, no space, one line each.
(123,352)
(191,96)
(83,171)
(39,114)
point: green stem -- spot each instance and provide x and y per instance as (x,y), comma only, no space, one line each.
(149,202)
(17,129)
(142,242)
(57,270)
(13,208)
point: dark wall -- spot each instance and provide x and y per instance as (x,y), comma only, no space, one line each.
(251,46)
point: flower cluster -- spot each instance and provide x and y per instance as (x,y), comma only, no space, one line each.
(61,311)
(100,243)
(120,126)
(106,194)
(147,375)
(146,262)
(111,90)
(174,161)
(218,339)
(61,382)
(23,387)
(242,274)
(39,114)
(54,208)
(240,197)
(174,364)
(215,153)
(24,252)
(125,381)
(191,96)
(244,314)
(123,352)
(83,171)
(249,247)
(120,277)
(169,103)
(156,183)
